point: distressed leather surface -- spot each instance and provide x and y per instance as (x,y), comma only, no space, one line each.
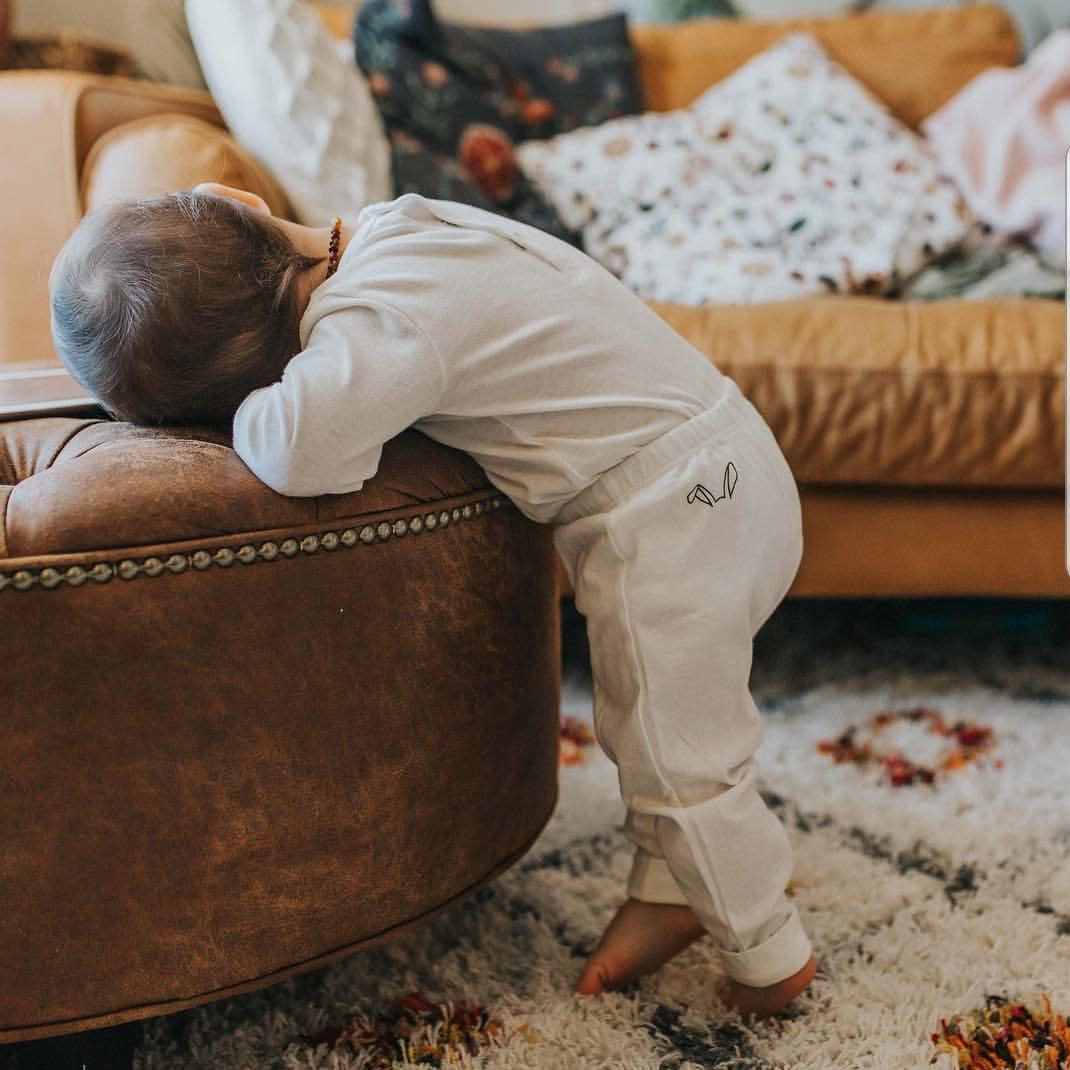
(216,779)
(170,485)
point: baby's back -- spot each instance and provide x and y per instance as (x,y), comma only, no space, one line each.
(485,334)
(555,370)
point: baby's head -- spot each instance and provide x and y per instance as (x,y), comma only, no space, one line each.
(171,310)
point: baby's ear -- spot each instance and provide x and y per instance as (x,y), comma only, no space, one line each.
(243,196)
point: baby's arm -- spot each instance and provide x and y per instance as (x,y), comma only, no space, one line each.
(366,374)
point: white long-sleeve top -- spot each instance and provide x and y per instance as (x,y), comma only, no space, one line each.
(485,334)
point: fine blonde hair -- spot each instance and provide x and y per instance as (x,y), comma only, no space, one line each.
(170,310)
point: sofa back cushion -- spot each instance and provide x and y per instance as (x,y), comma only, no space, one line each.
(913,60)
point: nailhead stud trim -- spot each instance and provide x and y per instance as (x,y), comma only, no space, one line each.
(127,569)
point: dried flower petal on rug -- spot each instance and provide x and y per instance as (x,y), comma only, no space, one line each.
(966,742)
(415,1030)
(1007,1036)
(576,736)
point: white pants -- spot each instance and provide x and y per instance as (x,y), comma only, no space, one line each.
(677,556)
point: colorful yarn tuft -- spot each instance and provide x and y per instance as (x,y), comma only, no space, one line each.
(575,738)
(1007,1036)
(968,742)
(415,1030)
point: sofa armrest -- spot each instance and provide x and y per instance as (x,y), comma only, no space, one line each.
(40,205)
(49,123)
(102,103)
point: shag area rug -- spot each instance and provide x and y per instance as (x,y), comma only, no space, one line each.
(919,755)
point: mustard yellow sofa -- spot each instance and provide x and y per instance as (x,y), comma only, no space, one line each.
(927,438)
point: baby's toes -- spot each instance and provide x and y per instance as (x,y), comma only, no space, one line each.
(603,972)
(593,981)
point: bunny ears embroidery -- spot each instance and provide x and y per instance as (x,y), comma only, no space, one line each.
(703,494)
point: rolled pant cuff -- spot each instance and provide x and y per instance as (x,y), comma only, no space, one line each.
(780,956)
(651,881)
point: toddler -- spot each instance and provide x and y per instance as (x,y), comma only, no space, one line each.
(675,513)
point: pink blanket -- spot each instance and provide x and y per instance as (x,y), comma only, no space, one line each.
(1004,137)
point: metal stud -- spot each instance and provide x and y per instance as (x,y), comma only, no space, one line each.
(49,577)
(127,569)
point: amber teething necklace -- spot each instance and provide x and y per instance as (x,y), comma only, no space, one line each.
(333,247)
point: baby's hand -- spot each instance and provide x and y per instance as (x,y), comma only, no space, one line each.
(767,1001)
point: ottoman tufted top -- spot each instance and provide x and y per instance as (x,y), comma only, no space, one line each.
(69,485)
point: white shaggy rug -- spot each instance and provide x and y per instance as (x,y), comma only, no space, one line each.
(921,899)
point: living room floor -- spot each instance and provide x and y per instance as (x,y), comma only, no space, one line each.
(932,899)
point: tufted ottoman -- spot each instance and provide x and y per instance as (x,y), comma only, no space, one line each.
(243,735)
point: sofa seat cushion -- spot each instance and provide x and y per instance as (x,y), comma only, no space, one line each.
(899,393)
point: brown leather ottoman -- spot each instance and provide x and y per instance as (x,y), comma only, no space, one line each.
(243,735)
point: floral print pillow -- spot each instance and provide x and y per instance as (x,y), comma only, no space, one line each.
(785,179)
(455,99)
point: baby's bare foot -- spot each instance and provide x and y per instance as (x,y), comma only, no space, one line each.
(639,939)
(765,1002)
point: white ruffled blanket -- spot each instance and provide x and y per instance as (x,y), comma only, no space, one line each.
(1004,138)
